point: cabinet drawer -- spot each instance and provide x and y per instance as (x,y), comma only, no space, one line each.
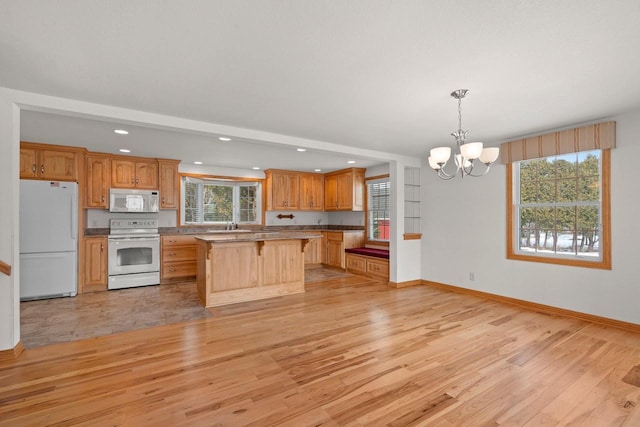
(179,253)
(178,240)
(172,270)
(331,235)
(356,263)
(378,267)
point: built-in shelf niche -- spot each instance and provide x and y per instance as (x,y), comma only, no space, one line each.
(411,203)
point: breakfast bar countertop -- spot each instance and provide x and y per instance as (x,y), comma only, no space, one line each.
(255,237)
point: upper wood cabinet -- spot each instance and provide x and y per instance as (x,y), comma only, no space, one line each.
(50,162)
(283,190)
(311,192)
(139,173)
(169,183)
(98,175)
(344,190)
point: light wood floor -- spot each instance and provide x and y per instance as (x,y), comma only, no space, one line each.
(347,352)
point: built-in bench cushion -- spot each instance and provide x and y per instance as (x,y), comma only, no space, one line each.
(378,253)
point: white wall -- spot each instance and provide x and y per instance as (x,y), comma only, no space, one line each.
(9,226)
(464,231)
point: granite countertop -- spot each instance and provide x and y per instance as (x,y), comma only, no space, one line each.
(254,237)
(248,228)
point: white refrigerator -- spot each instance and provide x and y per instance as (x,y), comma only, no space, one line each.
(48,239)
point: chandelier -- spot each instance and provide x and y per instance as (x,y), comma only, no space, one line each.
(466,153)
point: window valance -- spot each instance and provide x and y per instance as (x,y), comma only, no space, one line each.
(592,137)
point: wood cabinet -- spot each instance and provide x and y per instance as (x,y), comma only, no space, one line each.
(134,173)
(49,162)
(178,257)
(95,264)
(376,268)
(169,183)
(98,174)
(313,251)
(283,190)
(344,190)
(337,242)
(311,192)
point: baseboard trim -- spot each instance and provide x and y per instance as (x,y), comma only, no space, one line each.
(12,353)
(548,309)
(406,284)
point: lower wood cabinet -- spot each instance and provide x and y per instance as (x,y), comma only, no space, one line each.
(335,244)
(95,264)
(377,268)
(178,257)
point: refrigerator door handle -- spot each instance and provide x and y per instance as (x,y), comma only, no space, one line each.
(74,219)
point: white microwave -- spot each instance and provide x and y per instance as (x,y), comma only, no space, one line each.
(138,201)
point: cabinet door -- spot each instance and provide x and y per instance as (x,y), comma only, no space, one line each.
(97,182)
(168,185)
(95,261)
(335,253)
(57,165)
(330,193)
(123,173)
(312,192)
(147,175)
(345,190)
(313,251)
(28,167)
(285,190)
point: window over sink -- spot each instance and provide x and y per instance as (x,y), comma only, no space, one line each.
(219,201)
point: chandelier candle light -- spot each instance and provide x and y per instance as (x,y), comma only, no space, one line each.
(466,153)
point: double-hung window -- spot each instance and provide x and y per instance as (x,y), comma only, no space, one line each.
(558,205)
(378,209)
(215,201)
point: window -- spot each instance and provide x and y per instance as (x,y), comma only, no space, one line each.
(211,201)
(378,207)
(559,208)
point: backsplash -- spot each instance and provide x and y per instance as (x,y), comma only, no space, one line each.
(99,218)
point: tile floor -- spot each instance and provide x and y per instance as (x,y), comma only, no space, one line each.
(94,314)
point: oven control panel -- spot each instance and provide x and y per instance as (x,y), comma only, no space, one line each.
(133,224)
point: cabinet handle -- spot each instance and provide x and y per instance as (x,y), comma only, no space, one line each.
(163,200)
(103,197)
(172,241)
(172,254)
(137,180)
(41,168)
(101,247)
(172,270)
(133,181)
(33,168)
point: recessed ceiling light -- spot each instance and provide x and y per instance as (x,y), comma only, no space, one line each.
(124,150)
(197,163)
(255,168)
(121,132)
(224,138)
(351,162)
(317,170)
(301,149)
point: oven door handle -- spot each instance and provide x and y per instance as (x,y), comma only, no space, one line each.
(133,239)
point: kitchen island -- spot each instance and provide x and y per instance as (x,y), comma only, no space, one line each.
(240,267)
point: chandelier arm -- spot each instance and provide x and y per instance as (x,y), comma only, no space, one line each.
(486,171)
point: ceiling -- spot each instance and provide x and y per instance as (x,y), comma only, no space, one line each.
(364,74)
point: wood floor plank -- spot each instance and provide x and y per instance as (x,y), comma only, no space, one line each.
(350,351)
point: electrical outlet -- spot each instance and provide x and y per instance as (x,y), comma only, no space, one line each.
(472,276)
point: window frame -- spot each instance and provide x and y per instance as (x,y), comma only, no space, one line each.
(368,240)
(235,182)
(605,211)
